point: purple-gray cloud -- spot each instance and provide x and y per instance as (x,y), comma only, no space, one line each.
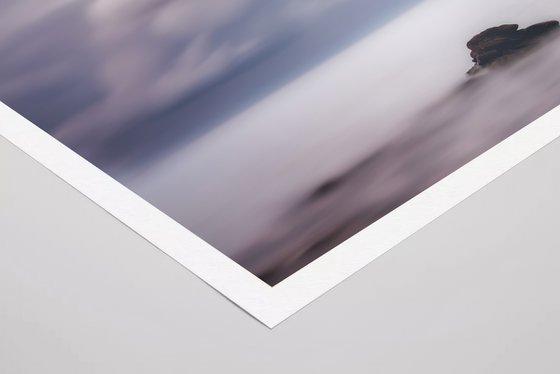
(92,71)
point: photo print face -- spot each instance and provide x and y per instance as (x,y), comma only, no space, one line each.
(276,130)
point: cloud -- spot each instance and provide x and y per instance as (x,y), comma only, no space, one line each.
(138,38)
(17,15)
(143,54)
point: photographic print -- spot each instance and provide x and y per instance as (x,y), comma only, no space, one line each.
(277,130)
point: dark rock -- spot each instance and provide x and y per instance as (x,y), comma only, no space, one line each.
(501,45)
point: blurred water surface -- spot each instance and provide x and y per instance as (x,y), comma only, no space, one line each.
(479,113)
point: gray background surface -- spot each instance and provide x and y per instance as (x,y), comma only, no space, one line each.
(474,292)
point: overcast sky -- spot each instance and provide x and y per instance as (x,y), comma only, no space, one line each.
(123,81)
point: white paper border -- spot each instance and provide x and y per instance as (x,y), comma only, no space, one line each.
(272,305)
